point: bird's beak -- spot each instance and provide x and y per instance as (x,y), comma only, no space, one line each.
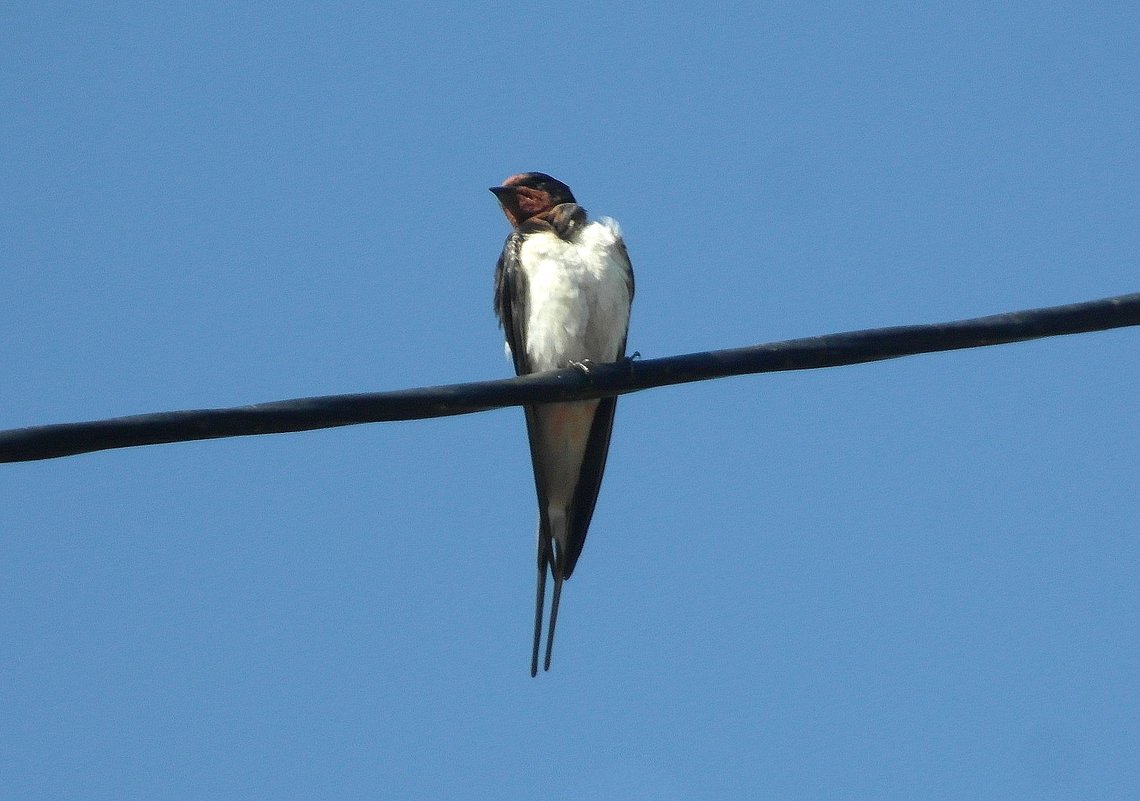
(502,191)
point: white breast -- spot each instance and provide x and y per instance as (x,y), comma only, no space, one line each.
(579,296)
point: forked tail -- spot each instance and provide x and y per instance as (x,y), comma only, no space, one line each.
(546,560)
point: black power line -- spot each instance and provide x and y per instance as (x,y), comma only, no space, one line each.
(304,414)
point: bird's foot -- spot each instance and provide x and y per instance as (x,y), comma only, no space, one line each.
(585,366)
(629,360)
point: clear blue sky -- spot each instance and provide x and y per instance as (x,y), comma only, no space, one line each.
(908,580)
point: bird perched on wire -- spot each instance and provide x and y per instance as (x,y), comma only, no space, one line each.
(563,290)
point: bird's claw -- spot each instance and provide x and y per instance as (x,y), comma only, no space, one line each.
(629,360)
(585,366)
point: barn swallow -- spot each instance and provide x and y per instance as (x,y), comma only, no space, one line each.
(563,290)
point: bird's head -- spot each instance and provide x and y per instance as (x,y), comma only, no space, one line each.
(530,194)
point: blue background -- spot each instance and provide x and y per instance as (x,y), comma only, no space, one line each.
(907,580)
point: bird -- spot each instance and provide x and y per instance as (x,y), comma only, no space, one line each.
(563,294)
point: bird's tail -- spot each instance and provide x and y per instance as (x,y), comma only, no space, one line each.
(539,602)
(550,558)
(553,617)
